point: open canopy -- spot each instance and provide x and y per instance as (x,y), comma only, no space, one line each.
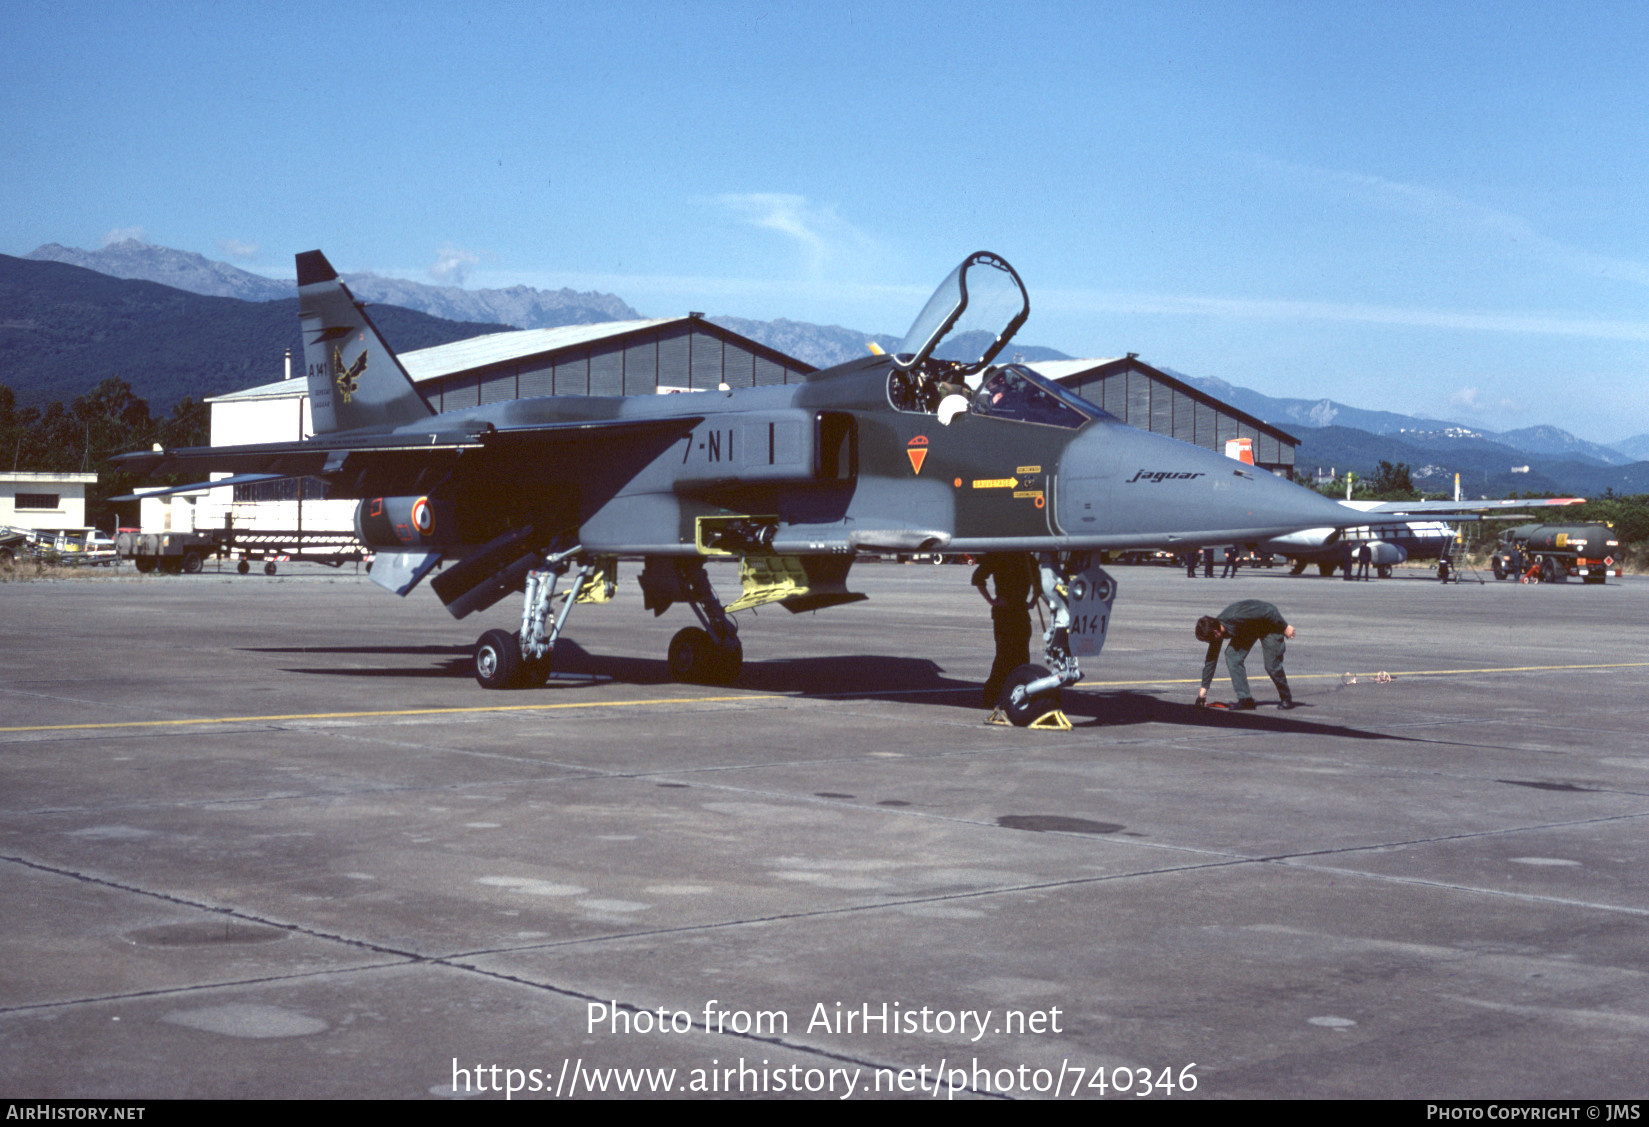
(974,312)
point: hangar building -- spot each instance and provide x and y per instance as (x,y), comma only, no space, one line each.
(1150,399)
(642,357)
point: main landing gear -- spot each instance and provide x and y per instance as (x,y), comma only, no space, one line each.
(708,654)
(505,660)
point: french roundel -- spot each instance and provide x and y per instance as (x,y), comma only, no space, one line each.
(423,517)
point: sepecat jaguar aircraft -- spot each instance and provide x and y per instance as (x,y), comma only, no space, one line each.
(901,452)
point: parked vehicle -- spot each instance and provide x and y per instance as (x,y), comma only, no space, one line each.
(1552,553)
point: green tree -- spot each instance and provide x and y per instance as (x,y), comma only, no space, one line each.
(83,436)
(1392,483)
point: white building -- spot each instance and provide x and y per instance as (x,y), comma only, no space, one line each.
(46,502)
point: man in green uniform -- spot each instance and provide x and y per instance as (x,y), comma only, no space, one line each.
(1242,624)
(1016,577)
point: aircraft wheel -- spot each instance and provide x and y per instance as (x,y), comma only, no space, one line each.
(1325,569)
(691,654)
(191,563)
(534,671)
(144,564)
(269,568)
(497,660)
(1025,711)
(243,567)
(729,660)
(696,659)
(1383,572)
(1297,568)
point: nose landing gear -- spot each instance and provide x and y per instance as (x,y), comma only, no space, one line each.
(1079,595)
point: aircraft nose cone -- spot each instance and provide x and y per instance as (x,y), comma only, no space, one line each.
(1116,481)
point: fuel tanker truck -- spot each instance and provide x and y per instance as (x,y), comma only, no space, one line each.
(1554,552)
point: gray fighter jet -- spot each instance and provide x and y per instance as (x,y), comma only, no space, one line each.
(904,452)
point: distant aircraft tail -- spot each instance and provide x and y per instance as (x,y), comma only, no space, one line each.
(355,381)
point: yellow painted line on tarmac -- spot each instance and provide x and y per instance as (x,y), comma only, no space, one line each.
(1396,674)
(368,715)
(658,701)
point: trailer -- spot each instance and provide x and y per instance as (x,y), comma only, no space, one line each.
(1552,553)
(186,553)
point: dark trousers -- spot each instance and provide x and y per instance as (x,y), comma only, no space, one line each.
(1012,626)
(1273,647)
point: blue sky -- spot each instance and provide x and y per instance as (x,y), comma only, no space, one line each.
(1430,208)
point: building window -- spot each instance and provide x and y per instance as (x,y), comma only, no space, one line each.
(46,501)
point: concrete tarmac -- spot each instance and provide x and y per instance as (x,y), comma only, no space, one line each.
(267,837)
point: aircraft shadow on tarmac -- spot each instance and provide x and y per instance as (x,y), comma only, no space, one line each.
(1103,709)
(916,681)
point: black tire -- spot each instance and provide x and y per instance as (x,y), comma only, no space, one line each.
(497,660)
(1548,570)
(729,660)
(1499,568)
(534,671)
(144,564)
(691,655)
(1326,569)
(243,567)
(192,563)
(695,658)
(1297,567)
(269,568)
(1026,710)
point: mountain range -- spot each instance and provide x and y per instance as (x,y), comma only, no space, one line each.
(1431,434)
(188,325)
(64,329)
(520,306)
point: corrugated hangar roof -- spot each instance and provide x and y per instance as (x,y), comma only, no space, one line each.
(498,348)
(1057,370)
(425,364)
(1153,400)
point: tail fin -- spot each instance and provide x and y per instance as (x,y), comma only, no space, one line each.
(355,381)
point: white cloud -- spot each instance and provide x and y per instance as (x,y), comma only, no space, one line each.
(1473,399)
(121,234)
(816,229)
(453,264)
(236,248)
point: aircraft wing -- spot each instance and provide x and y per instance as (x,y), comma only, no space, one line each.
(1432,510)
(325,454)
